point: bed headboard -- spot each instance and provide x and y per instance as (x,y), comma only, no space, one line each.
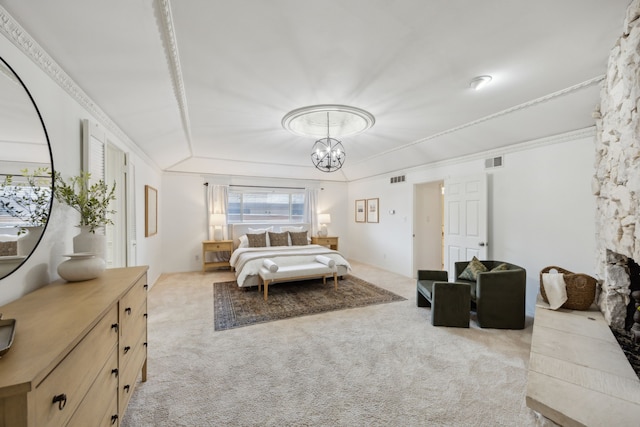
(238,230)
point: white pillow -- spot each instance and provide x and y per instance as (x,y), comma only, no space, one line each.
(291,228)
(329,262)
(270,265)
(244,241)
(260,231)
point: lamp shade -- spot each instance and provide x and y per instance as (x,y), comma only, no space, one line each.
(218,219)
(324,218)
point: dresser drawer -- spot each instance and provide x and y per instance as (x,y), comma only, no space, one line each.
(136,331)
(131,302)
(136,358)
(60,393)
(100,403)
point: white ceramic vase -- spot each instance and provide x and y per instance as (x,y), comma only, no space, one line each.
(81,266)
(88,242)
(27,242)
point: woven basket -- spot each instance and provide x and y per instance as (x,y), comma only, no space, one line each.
(581,288)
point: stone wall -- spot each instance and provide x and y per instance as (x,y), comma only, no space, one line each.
(616,183)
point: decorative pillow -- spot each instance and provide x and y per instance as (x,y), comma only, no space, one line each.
(278,239)
(472,270)
(257,240)
(259,231)
(329,262)
(244,241)
(287,228)
(299,238)
(270,265)
(501,267)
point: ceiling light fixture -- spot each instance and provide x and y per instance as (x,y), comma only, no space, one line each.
(328,119)
(328,153)
(479,82)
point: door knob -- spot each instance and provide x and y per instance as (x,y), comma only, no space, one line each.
(482,244)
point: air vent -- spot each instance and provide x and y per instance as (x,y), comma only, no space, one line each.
(396,179)
(494,162)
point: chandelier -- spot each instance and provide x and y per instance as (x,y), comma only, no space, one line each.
(328,154)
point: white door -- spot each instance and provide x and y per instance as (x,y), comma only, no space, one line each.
(465,211)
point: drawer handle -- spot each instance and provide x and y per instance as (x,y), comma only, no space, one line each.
(126,388)
(126,349)
(61,400)
(114,326)
(128,310)
(115,372)
(114,419)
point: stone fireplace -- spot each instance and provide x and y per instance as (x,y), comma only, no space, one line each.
(616,183)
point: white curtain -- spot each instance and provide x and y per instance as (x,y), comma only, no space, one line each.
(217,202)
(311,210)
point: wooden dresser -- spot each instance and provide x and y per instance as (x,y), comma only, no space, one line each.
(78,351)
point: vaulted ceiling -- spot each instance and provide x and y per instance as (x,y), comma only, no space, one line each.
(202,85)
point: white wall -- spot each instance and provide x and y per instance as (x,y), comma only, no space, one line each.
(63,117)
(541,211)
(183,213)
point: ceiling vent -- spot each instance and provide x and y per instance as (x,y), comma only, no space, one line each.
(494,162)
(396,179)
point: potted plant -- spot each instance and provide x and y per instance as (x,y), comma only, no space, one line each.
(28,199)
(91,200)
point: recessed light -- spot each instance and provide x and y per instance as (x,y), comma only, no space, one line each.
(479,82)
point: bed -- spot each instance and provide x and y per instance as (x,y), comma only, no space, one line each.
(247,261)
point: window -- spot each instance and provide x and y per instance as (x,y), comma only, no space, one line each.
(24,200)
(277,205)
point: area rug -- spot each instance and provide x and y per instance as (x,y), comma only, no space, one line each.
(235,307)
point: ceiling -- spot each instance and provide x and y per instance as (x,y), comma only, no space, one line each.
(202,86)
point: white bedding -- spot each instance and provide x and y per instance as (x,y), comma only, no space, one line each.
(247,261)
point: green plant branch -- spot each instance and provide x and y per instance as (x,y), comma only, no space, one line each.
(90,200)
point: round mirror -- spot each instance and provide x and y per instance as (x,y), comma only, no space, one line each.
(26,168)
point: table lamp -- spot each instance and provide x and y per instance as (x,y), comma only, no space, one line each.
(324,219)
(218,220)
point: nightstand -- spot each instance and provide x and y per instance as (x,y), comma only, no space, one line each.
(216,246)
(331,242)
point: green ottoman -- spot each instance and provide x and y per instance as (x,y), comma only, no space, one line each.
(451,304)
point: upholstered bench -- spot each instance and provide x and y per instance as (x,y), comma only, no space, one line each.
(449,301)
(269,274)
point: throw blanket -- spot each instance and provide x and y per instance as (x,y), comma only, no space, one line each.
(555,288)
(247,261)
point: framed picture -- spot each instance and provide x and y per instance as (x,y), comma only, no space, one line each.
(150,211)
(372,210)
(361,210)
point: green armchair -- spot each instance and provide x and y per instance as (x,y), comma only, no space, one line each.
(497,296)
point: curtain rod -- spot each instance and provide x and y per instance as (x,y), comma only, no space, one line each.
(263,186)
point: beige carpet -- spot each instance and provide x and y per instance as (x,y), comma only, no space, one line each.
(381,365)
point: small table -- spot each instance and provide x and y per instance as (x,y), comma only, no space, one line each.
(216,246)
(331,242)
